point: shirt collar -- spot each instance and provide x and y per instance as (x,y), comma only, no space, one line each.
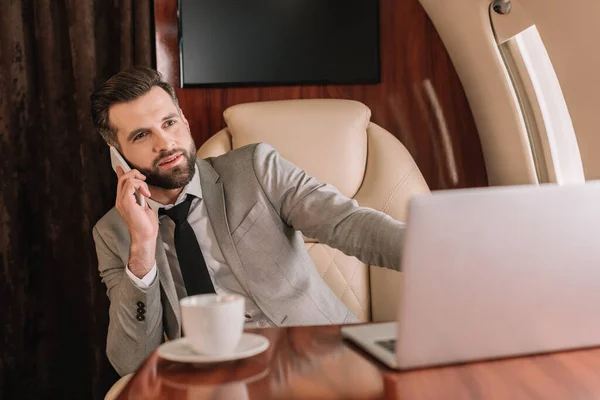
(193,187)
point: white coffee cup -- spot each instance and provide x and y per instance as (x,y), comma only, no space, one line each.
(213,324)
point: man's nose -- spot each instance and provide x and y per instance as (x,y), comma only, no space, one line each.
(163,141)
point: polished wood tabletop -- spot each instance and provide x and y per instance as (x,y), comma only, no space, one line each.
(317,363)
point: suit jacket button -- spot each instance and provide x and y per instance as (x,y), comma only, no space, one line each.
(141,304)
(140,317)
(141,310)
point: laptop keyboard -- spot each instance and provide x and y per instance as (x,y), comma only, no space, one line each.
(389,345)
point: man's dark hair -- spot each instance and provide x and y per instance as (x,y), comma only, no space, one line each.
(123,87)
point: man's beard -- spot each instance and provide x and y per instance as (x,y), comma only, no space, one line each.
(175,177)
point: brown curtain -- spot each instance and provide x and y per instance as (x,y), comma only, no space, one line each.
(55,183)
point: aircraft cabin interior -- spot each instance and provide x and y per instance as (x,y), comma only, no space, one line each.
(308,199)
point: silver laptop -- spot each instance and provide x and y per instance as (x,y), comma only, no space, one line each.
(492,273)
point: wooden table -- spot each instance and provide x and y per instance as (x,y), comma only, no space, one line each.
(316,363)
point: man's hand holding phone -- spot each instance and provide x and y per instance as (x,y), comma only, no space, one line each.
(141,221)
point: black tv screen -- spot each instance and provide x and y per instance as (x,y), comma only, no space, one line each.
(278,42)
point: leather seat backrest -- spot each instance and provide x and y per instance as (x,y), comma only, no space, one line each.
(334,141)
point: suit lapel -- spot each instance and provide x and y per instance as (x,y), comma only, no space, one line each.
(214,200)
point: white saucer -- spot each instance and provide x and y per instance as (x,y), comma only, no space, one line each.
(178,350)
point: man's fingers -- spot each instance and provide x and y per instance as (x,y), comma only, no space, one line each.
(144,190)
(119,171)
(139,175)
(133,174)
(124,177)
(131,185)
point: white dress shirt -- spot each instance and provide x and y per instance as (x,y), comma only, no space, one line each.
(223,279)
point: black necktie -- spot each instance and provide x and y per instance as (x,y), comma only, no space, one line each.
(191,262)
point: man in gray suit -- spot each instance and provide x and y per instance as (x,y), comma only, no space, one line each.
(245,210)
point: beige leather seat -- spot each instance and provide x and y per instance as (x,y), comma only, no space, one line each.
(335,141)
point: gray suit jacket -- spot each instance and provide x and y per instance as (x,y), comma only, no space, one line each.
(257,203)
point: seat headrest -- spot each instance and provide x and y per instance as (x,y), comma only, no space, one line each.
(325,137)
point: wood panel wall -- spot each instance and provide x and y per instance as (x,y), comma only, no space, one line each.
(420,99)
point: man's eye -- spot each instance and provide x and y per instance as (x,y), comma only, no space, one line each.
(139,136)
(170,122)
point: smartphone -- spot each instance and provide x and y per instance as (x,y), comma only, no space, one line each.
(117,159)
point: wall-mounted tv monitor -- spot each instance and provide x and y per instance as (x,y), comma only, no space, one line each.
(278,42)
